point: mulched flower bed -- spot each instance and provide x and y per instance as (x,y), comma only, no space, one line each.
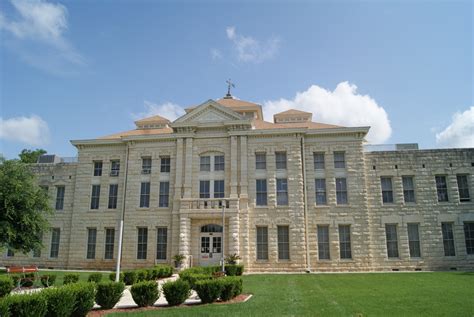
(99,312)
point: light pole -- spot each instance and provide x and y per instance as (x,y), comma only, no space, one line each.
(223,234)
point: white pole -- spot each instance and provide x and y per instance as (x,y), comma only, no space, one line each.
(119,256)
(223,235)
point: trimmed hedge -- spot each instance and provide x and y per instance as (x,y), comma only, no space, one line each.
(109,293)
(113,274)
(70,278)
(6,285)
(234,269)
(176,292)
(48,279)
(95,277)
(60,301)
(4,308)
(84,298)
(27,305)
(129,277)
(145,293)
(193,278)
(142,275)
(231,286)
(208,290)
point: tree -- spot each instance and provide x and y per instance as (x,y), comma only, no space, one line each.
(31,156)
(23,207)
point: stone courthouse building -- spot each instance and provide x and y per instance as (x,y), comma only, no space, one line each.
(296,195)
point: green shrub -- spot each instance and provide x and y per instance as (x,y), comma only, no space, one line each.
(113,274)
(208,290)
(231,287)
(165,270)
(145,293)
(142,275)
(176,292)
(109,293)
(27,305)
(4,308)
(129,277)
(70,278)
(193,278)
(48,279)
(84,298)
(234,269)
(95,277)
(6,285)
(60,301)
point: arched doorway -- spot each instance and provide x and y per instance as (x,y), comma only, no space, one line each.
(211,245)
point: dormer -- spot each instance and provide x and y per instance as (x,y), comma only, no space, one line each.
(292,116)
(155,122)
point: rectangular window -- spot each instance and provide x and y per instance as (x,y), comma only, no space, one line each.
(161,243)
(280,160)
(165,166)
(339,160)
(60,197)
(219,189)
(97,168)
(10,253)
(448,239)
(109,243)
(142,244)
(387,191)
(261,192)
(463,188)
(392,240)
(164,194)
(283,243)
(408,189)
(146,165)
(341,191)
(318,159)
(345,241)
(113,194)
(261,161)
(204,189)
(205,164)
(114,168)
(145,195)
(282,191)
(323,242)
(469,235)
(320,186)
(414,240)
(219,163)
(91,242)
(441,188)
(262,243)
(95,196)
(55,238)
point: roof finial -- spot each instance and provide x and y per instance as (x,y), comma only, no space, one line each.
(229,85)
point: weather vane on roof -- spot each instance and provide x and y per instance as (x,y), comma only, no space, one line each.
(229,85)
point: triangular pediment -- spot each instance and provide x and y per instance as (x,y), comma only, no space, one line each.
(209,112)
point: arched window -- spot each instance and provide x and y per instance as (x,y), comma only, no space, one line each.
(211,228)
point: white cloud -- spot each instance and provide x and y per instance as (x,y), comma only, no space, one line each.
(39,28)
(249,49)
(343,106)
(216,54)
(30,130)
(167,110)
(460,133)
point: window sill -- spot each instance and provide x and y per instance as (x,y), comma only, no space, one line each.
(342,205)
(321,206)
(143,208)
(261,261)
(347,260)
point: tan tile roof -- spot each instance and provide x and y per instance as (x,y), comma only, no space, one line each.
(237,104)
(292,112)
(157,119)
(137,132)
(264,125)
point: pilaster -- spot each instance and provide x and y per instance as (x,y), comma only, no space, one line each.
(188,168)
(233,166)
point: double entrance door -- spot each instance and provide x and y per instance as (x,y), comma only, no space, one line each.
(211,248)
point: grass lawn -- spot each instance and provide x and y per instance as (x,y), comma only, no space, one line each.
(83,276)
(391,294)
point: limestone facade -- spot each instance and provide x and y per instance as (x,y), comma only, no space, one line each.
(268,178)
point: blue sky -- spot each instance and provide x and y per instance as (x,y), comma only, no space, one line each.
(84,69)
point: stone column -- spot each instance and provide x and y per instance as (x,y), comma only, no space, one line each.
(234,234)
(179,171)
(188,174)
(243,167)
(185,238)
(233,166)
